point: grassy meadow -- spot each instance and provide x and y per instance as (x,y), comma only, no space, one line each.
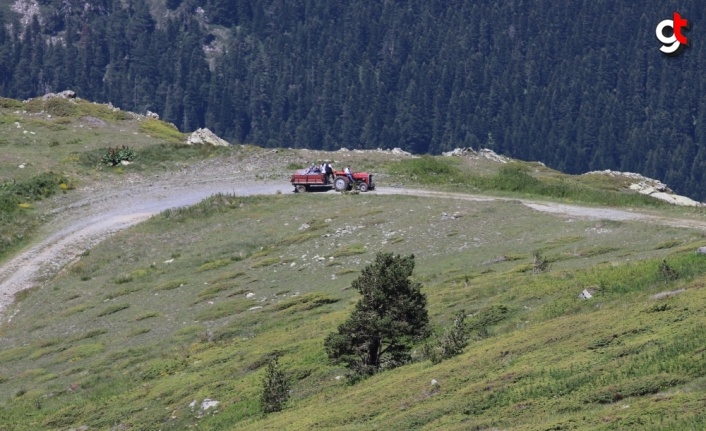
(189,306)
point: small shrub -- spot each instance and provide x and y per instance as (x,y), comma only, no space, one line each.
(275,388)
(215,289)
(170,285)
(452,341)
(113,309)
(122,279)
(666,272)
(122,292)
(266,262)
(213,265)
(114,156)
(147,316)
(91,334)
(74,310)
(305,302)
(539,263)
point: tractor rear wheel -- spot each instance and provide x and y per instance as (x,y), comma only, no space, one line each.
(340,184)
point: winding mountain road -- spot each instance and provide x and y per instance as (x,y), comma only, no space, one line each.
(81,224)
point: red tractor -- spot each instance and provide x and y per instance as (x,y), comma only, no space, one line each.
(304,182)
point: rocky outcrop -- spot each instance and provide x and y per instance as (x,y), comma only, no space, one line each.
(205,136)
(651,187)
(483,153)
(394,151)
(66,94)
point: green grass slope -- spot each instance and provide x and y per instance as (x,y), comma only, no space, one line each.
(53,146)
(190,305)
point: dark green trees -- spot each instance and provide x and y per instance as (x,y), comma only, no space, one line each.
(425,76)
(389,317)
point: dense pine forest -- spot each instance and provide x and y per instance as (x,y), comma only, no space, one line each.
(579,85)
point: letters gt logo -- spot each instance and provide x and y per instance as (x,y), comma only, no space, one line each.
(673,45)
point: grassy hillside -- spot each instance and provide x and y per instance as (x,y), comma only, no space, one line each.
(190,305)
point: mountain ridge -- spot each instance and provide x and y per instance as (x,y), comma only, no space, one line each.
(589,94)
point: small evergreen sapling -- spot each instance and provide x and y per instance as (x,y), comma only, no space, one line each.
(452,341)
(275,388)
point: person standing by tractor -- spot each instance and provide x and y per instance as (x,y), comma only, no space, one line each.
(328,171)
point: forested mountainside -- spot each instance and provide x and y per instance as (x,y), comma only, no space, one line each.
(579,85)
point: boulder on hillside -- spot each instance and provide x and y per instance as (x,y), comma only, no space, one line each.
(205,136)
(662,192)
(651,187)
(483,153)
(66,94)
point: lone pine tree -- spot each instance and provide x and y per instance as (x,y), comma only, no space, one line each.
(387,320)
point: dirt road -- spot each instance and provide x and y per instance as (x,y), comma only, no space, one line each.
(90,215)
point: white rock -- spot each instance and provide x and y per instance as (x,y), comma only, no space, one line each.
(250,295)
(169,261)
(209,403)
(400,152)
(434,382)
(205,136)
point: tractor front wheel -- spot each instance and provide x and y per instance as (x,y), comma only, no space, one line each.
(362,186)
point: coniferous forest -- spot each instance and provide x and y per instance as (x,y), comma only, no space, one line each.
(579,85)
